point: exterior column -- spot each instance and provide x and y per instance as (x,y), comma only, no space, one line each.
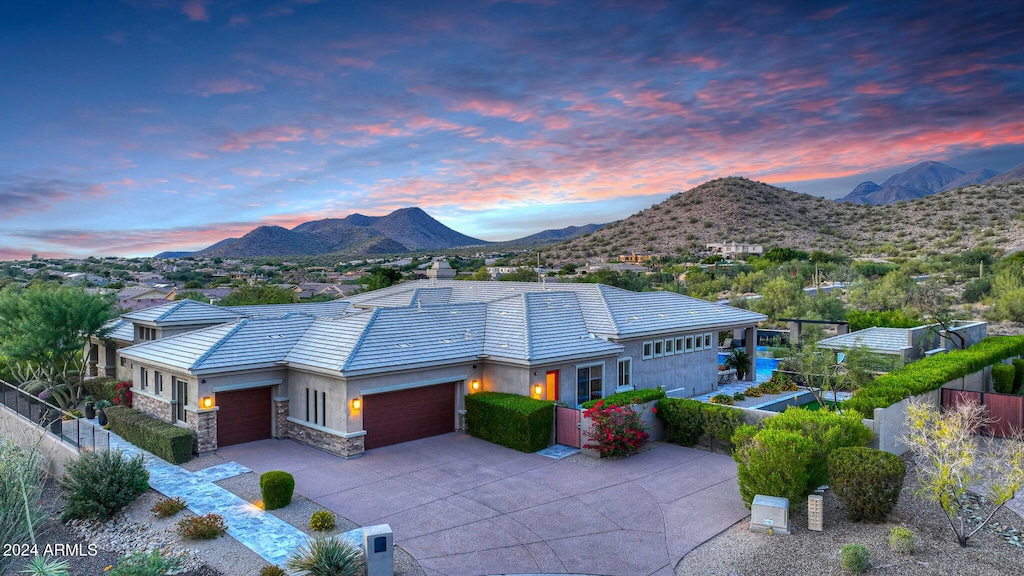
(842,329)
(204,424)
(750,339)
(94,352)
(794,333)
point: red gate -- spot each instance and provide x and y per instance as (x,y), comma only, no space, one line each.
(567,426)
(1005,410)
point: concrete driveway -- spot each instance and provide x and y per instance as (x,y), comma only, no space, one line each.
(460,505)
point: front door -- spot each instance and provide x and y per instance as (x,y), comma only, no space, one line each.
(180,390)
(552,385)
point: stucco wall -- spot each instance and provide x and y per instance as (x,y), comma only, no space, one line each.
(695,372)
(27,435)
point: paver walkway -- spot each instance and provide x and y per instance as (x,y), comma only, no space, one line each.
(262,532)
(460,505)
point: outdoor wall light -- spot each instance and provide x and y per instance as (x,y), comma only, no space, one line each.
(206,403)
(475,385)
(357,403)
(538,390)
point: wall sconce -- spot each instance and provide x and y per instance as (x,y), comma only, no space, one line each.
(357,404)
(475,385)
(538,390)
(206,403)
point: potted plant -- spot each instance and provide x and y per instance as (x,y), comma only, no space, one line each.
(90,407)
(101,416)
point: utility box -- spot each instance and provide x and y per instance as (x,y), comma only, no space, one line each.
(379,547)
(769,515)
(815,513)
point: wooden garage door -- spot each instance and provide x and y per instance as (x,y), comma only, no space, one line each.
(243,416)
(406,415)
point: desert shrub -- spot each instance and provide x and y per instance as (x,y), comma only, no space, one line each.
(272,570)
(771,386)
(772,462)
(976,289)
(739,397)
(721,422)
(143,564)
(861,319)
(901,540)
(511,420)
(682,419)
(1018,375)
(163,439)
(854,558)
(98,484)
(327,557)
(866,481)
(629,397)
(166,507)
(205,527)
(277,488)
(321,521)
(20,469)
(1002,378)
(721,399)
(827,432)
(753,391)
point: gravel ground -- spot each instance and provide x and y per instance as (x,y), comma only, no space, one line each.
(247,487)
(739,552)
(202,461)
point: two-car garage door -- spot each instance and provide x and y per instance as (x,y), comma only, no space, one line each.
(393,417)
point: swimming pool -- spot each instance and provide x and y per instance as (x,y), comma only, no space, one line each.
(765,366)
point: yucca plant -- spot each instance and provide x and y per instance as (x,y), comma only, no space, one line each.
(41,566)
(327,557)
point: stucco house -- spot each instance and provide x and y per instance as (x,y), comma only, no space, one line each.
(394,365)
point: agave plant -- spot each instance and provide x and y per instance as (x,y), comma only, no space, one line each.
(738,360)
(327,557)
(41,566)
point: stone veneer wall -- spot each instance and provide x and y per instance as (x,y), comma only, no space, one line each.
(344,447)
(150,406)
(204,424)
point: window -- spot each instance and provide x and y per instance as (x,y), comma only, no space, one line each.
(589,383)
(707,340)
(158,382)
(669,346)
(648,350)
(143,378)
(625,373)
(317,411)
(323,408)
(689,343)
(145,333)
(698,342)
(680,346)
(659,348)
(307,404)
(124,361)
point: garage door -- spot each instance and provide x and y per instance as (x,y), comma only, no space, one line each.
(243,416)
(406,415)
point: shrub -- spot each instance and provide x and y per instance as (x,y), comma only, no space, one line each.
(617,430)
(101,388)
(861,319)
(629,397)
(122,394)
(854,558)
(163,439)
(19,468)
(721,399)
(277,487)
(166,507)
(1018,375)
(739,397)
(721,422)
(272,570)
(901,540)
(827,432)
(772,462)
(771,386)
(143,564)
(682,419)
(321,521)
(867,482)
(205,527)
(327,557)
(1002,378)
(513,421)
(98,484)
(753,391)
(932,372)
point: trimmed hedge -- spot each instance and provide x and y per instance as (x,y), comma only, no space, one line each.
(629,397)
(101,388)
(1002,378)
(170,442)
(866,481)
(277,488)
(721,422)
(511,420)
(1018,376)
(773,463)
(931,373)
(828,431)
(687,420)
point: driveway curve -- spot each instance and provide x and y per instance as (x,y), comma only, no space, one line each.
(463,506)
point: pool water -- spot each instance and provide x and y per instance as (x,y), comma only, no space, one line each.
(765,367)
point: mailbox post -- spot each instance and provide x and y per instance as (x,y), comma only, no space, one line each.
(378,545)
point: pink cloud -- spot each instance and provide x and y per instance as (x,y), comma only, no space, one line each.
(353,62)
(196,10)
(262,137)
(227,86)
(876,89)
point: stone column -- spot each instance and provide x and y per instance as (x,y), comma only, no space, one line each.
(204,424)
(750,339)
(794,333)
(91,362)
(282,426)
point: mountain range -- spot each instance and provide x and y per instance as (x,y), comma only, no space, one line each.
(925,179)
(404,230)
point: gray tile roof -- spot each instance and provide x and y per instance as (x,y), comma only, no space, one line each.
(330,308)
(876,339)
(183,312)
(120,330)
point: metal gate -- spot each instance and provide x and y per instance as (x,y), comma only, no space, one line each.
(567,426)
(1006,410)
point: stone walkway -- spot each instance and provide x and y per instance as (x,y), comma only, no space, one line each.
(262,532)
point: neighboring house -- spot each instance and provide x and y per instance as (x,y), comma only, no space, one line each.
(637,257)
(394,364)
(145,293)
(908,344)
(440,270)
(732,250)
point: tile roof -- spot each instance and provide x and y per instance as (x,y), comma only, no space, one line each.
(120,330)
(330,308)
(183,312)
(876,339)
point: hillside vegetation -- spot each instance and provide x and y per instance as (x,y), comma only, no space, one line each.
(741,210)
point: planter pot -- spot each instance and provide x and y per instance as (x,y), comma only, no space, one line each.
(90,411)
(101,417)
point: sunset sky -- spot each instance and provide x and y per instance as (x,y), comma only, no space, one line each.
(132,127)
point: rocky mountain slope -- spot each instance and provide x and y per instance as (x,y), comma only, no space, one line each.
(925,179)
(741,210)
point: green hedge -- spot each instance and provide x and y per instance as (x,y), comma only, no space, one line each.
(277,487)
(101,388)
(1002,378)
(170,442)
(687,420)
(931,373)
(866,481)
(1018,376)
(513,421)
(629,397)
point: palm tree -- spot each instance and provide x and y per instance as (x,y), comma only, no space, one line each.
(738,360)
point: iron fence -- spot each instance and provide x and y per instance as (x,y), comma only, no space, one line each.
(64,426)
